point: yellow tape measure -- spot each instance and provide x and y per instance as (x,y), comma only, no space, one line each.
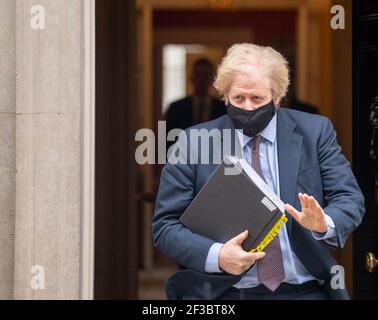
(271,234)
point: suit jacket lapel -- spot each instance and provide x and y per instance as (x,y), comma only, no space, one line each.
(289,146)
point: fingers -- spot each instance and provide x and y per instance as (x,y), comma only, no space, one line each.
(250,258)
(257,255)
(304,199)
(240,238)
(308,202)
(319,209)
(293,212)
(312,216)
(254,256)
(314,205)
(234,260)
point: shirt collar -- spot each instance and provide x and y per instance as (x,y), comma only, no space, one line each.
(269,133)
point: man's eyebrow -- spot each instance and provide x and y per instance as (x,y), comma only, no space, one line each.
(243,89)
(259,94)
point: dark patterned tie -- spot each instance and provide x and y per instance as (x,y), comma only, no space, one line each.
(270,270)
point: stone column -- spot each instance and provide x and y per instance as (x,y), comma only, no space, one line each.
(41,99)
(7,145)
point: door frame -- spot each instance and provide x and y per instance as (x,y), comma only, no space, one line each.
(88,151)
(88,224)
(107,103)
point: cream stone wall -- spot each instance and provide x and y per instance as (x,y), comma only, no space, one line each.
(41,150)
(7,145)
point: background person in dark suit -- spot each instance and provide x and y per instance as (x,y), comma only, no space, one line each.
(200,106)
(298,156)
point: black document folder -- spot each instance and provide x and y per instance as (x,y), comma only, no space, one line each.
(235,199)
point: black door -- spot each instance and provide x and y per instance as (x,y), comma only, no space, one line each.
(365,144)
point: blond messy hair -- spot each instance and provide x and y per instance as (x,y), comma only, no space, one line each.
(240,55)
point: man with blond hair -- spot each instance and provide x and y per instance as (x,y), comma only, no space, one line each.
(297,155)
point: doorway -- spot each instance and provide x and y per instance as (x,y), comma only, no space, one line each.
(130,39)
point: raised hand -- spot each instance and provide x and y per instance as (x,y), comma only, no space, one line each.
(312,216)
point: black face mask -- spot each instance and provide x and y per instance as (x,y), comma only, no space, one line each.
(254,121)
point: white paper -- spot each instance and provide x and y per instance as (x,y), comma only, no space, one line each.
(258,181)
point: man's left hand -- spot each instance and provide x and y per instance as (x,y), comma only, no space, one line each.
(312,216)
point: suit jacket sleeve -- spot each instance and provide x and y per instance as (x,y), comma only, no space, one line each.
(176,191)
(345,202)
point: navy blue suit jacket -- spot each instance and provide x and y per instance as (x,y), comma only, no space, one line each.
(310,161)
